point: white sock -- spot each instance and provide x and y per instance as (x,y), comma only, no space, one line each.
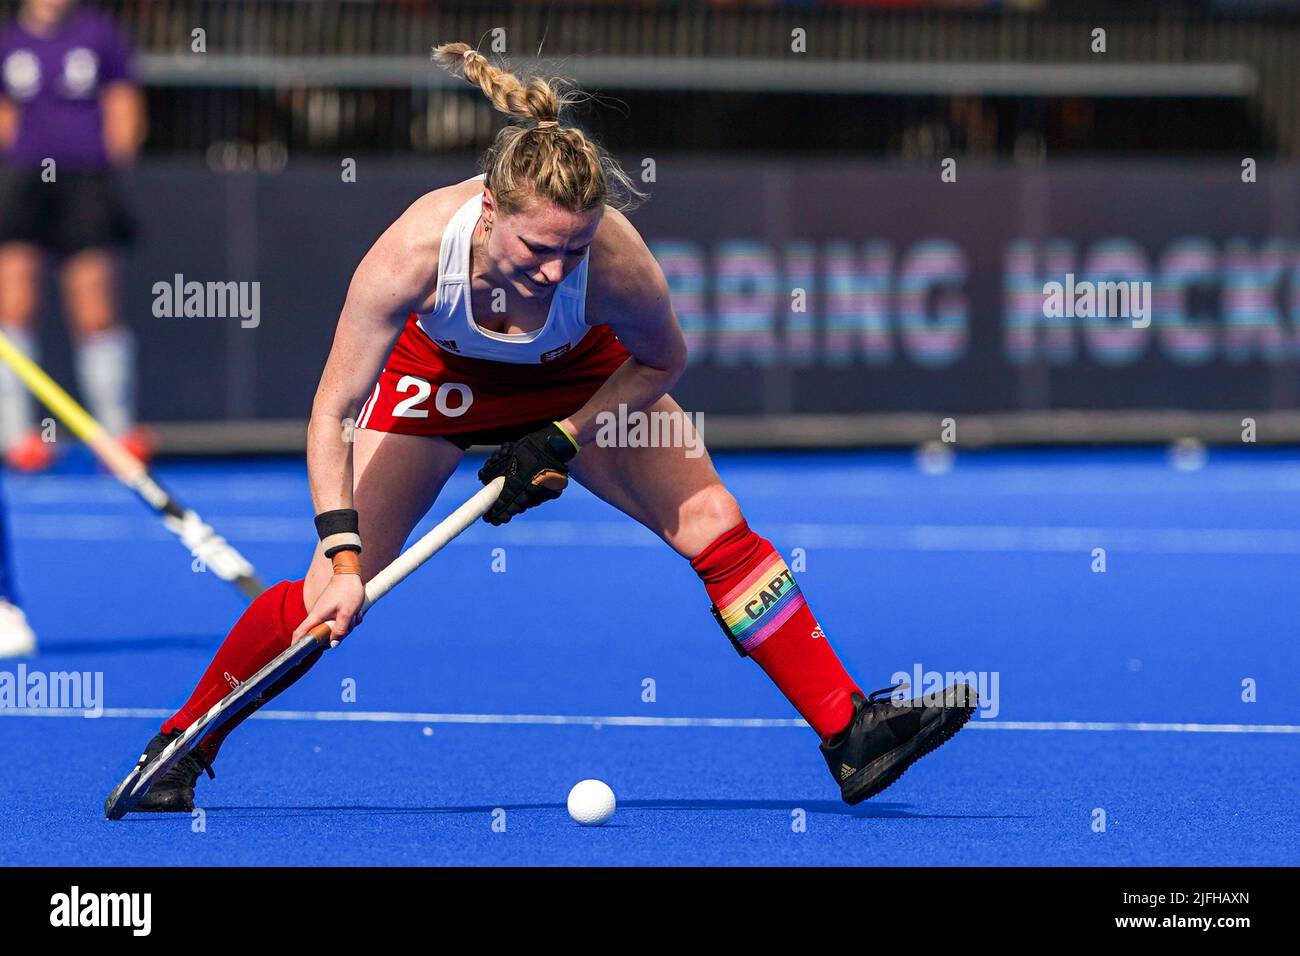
(16,409)
(106,373)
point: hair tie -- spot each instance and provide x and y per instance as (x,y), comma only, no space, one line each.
(547,124)
(469,53)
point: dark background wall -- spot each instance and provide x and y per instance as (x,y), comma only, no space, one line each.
(919,295)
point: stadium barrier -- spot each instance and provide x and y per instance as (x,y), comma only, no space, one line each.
(824,302)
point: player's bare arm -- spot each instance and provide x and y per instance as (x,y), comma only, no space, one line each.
(394,278)
(8,122)
(629,293)
(125,122)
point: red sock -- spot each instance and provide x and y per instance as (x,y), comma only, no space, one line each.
(256,639)
(766,617)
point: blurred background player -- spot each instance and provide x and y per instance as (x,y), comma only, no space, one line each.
(70,115)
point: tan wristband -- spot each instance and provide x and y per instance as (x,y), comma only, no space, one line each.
(347,562)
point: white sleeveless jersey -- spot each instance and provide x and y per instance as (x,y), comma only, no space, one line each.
(451,323)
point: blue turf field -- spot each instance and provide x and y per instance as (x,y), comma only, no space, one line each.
(985,568)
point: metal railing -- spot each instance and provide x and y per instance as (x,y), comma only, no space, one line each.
(1171,49)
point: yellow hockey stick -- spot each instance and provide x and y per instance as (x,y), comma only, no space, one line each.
(198,537)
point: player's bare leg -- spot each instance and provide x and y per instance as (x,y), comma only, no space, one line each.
(678,497)
(396,479)
(105,348)
(20,300)
(867,741)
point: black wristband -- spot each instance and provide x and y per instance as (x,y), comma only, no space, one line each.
(339,530)
(560,443)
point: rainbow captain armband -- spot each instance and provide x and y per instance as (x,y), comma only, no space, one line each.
(757,607)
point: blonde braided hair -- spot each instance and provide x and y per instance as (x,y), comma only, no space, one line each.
(546,161)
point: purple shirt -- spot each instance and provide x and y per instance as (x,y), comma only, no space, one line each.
(56,81)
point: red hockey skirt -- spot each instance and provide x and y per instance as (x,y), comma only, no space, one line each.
(427,390)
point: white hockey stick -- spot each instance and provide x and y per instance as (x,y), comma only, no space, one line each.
(130,791)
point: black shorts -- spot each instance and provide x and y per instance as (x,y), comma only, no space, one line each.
(78,211)
(493,436)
